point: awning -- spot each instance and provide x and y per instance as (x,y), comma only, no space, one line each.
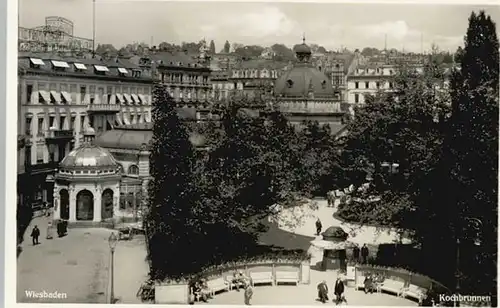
(101,68)
(80,66)
(134,118)
(128,98)
(141,118)
(143,99)
(148,117)
(56,96)
(120,98)
(119,119)
(122,70)
(60,64)
(45,96)
(136,98)
(37,61)
(66,96)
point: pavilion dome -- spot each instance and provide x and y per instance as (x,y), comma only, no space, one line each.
(303,80)
(335,233)
(89,157)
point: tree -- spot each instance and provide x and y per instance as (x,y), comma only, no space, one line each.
(227,47)
(282,53)
(472,151)
(106,50)
(321,49)
(249,52)
(212,47)
(236,46)
(172,192)
(370,52)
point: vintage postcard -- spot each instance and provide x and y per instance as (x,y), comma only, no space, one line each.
(256,153)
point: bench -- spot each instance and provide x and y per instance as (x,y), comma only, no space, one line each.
(393,287)
(261,278)
(415,292)
(287,277)
(217,284)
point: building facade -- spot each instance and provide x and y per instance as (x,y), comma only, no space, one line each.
(58,97)
(304,93)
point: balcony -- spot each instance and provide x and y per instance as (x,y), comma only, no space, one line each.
(54,134)
(41,168)
(104,108)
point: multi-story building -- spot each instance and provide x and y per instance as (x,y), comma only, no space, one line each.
(369,79)
(304,93)
(57,98)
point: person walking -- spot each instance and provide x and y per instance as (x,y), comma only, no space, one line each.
(364,253)
(319,226)
(248,292)
(49,230)
(355,254)
(35,233)
(323,291)
(339,291)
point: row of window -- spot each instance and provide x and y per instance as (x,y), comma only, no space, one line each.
(255,74)
(62,66)
(183,78)
(70,92)
(372,71)
(367,85)
(52,122)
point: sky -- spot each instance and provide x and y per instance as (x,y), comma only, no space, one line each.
(332,25)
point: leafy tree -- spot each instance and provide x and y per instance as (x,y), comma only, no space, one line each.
(172,192)
(249,52)
(227,47)
(321,49)
(282,53)
(106,50)
(370,52)
(212,47)
(472,152)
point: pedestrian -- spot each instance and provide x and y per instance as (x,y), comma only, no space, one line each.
(339,291)
(329,198)
(35,233)
(319,226)
(248,292)
(364,253)
(355,254)
(323,291)
(47,210)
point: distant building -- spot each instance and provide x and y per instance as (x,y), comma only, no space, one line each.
(305,93)
(369,79)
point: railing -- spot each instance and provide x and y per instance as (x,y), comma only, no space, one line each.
(104,107)
(59,134)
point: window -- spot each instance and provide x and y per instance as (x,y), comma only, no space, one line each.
(133,169)
(28,126)
(29,92)
(323,84)
(73,120)
(40,126)
(367,85)
(51,121)
(136,74)
(83,92)
(378,85)
(62,119)
(390,85)
(356,85)
(82,122)
(39,153)
(289,83)
(72,91)
(53,87)
(356,98)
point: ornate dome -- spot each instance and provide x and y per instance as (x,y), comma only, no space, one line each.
(89,157)
(303,80)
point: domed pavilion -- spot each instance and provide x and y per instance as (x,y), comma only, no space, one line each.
(305,93)
(87,184)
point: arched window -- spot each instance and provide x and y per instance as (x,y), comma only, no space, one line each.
(120,167)
(133,169)
(84,205)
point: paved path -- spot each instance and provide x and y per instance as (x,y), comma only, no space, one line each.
(306,295)
(306,217)
(78,265)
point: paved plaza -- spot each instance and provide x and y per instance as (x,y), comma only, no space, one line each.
(78,265)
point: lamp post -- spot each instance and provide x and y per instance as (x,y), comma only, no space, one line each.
(477,224)
(112,240)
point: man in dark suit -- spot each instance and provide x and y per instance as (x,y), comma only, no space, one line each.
(323,292)
(339,291)
(364,253)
